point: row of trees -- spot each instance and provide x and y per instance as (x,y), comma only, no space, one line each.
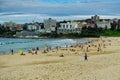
(6,32)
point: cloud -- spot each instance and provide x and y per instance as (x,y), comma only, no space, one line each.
(23,18)
(26,10)
(39,7)
(81,1)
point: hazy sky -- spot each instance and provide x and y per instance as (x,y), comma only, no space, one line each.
(22,11)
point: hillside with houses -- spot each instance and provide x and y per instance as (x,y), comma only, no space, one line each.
(92,27)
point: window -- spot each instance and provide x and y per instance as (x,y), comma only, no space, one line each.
(66,26)
(70,26)
(63,26)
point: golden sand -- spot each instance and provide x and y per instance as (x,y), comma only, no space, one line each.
(102,65)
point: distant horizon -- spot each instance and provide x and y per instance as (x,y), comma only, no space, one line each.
(26,11)
(82,17)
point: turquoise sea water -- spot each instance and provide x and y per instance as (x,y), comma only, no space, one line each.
(6,44)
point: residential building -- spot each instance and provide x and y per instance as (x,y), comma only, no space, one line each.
(69,27)
(104,24)
(49,25)
(18,27)
(10,25)
(82,24)
(91,24)
(35,27)
(31,27)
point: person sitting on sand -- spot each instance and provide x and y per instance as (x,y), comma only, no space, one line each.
(44,51)
(30,51)
(36,51)
(21,52)
(62,55)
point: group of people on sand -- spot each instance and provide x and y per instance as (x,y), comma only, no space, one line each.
(99,44)
(84,47)
(33,51)
(20,52)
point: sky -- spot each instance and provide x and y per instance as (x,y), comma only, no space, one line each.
(22,11)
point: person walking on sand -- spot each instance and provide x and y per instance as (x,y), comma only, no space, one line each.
(85,57)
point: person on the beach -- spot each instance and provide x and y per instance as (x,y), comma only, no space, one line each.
(29,51)
(11,51)
(85,57)
(62,55)
(21,52)
(37,48)
(36,51)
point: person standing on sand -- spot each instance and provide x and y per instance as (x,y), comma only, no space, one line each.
(37,48)
(85,57)
(11,51)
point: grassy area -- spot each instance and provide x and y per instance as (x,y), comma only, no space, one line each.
(111,33)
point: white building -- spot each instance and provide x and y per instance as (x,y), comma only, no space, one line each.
(69,27)
(104,24)
(49,25)
(11,25)
(35,27)
(31,27)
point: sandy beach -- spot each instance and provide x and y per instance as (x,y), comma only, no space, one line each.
(102,63)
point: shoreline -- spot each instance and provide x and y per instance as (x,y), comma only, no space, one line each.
(89,39)
(48,37)
(62,46)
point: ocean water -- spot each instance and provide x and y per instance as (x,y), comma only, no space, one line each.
(6,44)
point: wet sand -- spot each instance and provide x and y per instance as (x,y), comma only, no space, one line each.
(101,65)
